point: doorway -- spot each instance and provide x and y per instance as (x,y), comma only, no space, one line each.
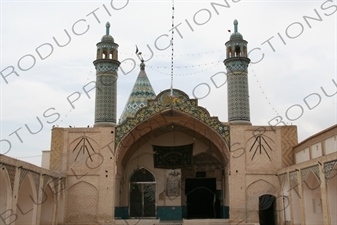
(201,197)
(267,210)
(142,194)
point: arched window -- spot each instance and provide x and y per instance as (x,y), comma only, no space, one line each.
(111,55)
(104,54)
(237,51)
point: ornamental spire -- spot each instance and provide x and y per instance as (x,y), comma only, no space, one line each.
(236,25)
(107,25)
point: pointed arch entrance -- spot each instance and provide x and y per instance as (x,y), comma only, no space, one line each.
(267,209)
(170,196)
(142,194)
(168,122)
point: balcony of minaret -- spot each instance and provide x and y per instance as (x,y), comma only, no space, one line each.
(237,51)
(107,54)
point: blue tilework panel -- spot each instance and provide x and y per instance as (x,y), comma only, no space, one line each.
(237,66)
(225,212)
(106,67)
(184,211)
(238,99)
(169,212)
(105,105)
(121,212)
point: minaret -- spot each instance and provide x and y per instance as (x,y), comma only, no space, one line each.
(106,65)
(236,63)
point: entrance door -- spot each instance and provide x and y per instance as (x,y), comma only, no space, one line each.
(267,210)
(200,193)
(142,194)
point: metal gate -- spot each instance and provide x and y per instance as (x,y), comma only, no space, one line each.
(142,195)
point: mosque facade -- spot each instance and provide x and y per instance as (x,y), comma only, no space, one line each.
(168,161)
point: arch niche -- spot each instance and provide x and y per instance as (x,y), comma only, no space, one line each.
(27,199)
(5,193)
(331,191)
(312,198)
(170,122)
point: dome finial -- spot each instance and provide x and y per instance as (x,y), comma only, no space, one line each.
(142,65)
(107,25)
(236,26)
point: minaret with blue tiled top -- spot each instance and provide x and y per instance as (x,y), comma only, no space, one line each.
(236,63)
(106,65)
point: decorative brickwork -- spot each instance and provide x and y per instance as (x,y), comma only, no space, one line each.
(11,174)
(46,180)
(36,179)
(314,169)
(57,143)
(328,167)
(261,151)
(23,173)
(293,175)
(82,200)
(282,179)
(288,140)
(82,155)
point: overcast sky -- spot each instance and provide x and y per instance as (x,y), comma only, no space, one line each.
(298,65)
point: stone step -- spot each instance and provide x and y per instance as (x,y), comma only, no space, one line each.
(178,222)
(137,222)
(170,222)
(206,222)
